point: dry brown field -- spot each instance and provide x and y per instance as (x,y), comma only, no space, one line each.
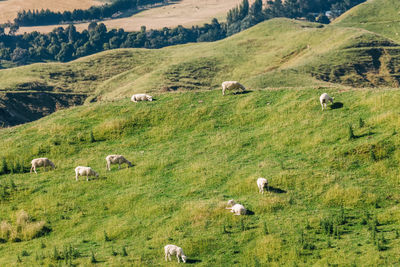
(185,12)
(10,8)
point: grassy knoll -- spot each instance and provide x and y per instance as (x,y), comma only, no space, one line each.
(380,16)
(333,199)
(275,53)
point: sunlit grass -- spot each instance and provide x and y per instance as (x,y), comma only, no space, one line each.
(192,156)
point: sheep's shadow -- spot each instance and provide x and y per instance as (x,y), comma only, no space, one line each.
(242,92)
(97,179)
(250,212)
(122,168)
(337,105)
(276,190)
(192,261)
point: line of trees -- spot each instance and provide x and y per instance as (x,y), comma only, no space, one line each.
(68,44)
(47,17)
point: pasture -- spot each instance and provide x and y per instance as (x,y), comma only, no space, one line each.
(332,199)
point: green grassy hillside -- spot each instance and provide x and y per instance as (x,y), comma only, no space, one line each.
(274,54)
(305,53)
(380,16)
(333,199)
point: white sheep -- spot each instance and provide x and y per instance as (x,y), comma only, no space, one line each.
(141,97)
(237,209)
(174,250)
(85,171)
(324,98)
(41,162)
(231,85)
(117,159)
(261,183)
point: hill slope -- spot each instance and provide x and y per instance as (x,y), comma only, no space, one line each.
(331,199)
(380,16)
(276,53)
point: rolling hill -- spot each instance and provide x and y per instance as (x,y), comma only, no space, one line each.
(380,16)
(275,53)
(333,175)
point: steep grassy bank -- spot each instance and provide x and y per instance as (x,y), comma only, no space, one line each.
(332,199)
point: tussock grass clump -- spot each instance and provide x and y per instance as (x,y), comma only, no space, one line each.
(351,132)
(339,196)
(273,203)
(24,228)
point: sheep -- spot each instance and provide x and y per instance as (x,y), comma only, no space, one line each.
(41,162)
(85,171)
(237,209)
(324,98)
(231,85)
(172,250)
(141,97)
(117,159)
(261,183)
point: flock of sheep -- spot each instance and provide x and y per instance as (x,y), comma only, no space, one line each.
(235,208)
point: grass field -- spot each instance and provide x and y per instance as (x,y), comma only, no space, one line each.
(10,8)
(332,199)
(380,16)
(334,178)
(279,53)
(183,12)
(275,53)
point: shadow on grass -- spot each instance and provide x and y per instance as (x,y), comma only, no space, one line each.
(242,92)
(276,190)
(98,178)
(249,212)
(337,105)
(193,261)
(363,135)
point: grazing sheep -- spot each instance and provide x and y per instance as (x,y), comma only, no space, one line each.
(261,183)
(231,85)
(237,209)
(117,159)
(324,98)
(85,171)
(41,162)
(141,97)
(172,250)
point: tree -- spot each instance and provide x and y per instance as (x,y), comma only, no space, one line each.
(322,19)
(65,53)
(19,56)
(72,34)
(243,9)
(13,29)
